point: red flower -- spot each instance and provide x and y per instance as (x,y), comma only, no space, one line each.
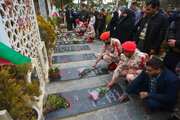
(66,37)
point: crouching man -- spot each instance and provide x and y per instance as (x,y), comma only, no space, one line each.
(80,28)
(90,33)
(113,46)
(131,63)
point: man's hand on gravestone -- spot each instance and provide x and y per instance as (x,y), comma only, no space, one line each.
(110,83)
(143,95)
(123,96)
(94,65)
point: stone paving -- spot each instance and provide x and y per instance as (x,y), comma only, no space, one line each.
(133,110)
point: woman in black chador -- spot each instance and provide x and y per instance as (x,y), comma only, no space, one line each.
(125,26)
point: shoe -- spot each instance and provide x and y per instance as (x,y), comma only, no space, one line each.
(79,34)
(148,111)
(112,66)
(90,40)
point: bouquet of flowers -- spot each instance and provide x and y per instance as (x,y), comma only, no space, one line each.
(83,71)
(75,41)
(66,37)
(98,93)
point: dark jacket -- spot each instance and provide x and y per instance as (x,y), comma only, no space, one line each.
(125,27)
(155,34)
(112,24)
(102,21)
(174,29)
(167,86)
(84,14)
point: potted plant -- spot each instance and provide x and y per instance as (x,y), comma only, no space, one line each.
(54,73)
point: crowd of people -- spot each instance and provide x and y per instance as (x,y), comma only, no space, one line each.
(130,37)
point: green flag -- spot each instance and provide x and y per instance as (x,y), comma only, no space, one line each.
(12,55)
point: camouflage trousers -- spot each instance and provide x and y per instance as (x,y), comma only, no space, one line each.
(108,59)
(129,77)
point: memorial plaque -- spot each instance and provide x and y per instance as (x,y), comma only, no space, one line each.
(80,102)
(72,73)
(72,48)
(72,58)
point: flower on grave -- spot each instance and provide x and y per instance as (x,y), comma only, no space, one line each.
(80,71)
(75,40)
(83,71)
(98,93)
(66,37)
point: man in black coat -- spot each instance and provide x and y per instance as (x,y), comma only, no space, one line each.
(96,13)
(173,55)
(69,18)
(101,21)
(152,29)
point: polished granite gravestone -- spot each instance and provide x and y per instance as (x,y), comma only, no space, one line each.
(70,42)
(72,48)
(72,73)
(80,102)
(72,58)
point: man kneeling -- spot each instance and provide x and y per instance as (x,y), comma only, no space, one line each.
(80,28)
(90,33)
(157,84)
(131,63)
(113,46)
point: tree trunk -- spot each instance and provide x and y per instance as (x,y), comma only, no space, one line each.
(63,5)
(80,3)
(87,4)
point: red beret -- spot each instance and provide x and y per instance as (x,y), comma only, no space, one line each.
(104,35)
(85,23)
(77,20)
(129,46)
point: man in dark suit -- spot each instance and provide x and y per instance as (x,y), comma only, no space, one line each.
(156,84)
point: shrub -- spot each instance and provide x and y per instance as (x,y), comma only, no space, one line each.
(15,92)
(48,34)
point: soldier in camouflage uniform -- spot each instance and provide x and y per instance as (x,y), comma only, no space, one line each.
(90,33)
(80,28)
(113,46)
(131,63)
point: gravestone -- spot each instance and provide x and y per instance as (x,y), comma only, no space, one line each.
(80,102)
(72,58)
(72,48)
(72,73)
(69,42)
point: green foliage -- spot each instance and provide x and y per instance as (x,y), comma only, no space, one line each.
(54,70)
(53,21)
(14,95)
(48,34)
(51,70)
(55,102)
(63,26)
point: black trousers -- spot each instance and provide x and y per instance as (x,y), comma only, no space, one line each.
(171,59)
